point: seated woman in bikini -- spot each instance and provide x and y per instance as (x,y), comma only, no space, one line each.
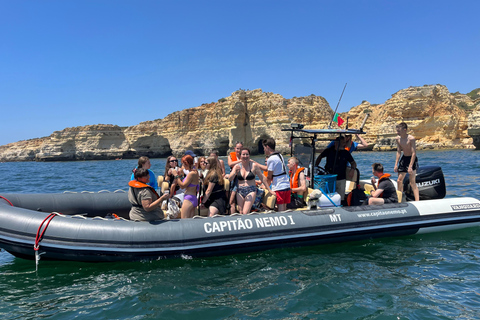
(191,184)
(245,172)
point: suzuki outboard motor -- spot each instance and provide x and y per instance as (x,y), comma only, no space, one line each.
(430,182)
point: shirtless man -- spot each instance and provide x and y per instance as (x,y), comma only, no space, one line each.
(408,161)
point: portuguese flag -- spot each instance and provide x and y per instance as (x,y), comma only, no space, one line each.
(338,120)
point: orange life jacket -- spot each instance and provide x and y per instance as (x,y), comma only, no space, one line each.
(349,147)
(295,179)
(385,176)
(233,155)
(140,185)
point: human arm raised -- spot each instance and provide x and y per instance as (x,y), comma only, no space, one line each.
(232,163)
(188,179)
(363,143)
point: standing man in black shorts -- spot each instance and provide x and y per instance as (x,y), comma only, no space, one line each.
(408,161)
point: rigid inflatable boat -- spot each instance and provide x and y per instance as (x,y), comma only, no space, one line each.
(85,229)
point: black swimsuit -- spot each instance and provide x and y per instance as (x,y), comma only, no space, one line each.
(250,175)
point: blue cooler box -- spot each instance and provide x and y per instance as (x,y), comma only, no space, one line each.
(327,182)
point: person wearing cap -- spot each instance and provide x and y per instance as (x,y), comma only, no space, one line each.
(193,155)
(350,145)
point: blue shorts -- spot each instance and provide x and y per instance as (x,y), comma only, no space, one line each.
(244,191)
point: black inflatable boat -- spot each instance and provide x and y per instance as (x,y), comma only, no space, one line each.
(87,230)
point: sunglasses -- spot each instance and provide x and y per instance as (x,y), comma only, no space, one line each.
(174,161)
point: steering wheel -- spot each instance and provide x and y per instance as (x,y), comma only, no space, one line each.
(319,170)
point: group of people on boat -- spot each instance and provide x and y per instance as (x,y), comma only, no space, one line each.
(338,158)
(249,180)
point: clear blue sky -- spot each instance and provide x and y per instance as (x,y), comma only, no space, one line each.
(74,63)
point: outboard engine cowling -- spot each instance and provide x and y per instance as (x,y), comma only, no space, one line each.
(430,182)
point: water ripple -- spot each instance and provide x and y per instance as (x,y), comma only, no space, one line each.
(432,276)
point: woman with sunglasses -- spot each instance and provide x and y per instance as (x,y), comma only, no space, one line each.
(245,172)
(202,168)
(144,162)
(191,184)
(172,163)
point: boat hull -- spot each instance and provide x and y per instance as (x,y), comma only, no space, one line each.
(77,238)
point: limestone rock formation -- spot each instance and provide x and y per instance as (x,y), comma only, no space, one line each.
(248,116)
(78,143)
(474,126)
(431,112)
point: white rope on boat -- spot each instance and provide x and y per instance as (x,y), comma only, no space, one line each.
(101,191)
(79,216)
(100,218)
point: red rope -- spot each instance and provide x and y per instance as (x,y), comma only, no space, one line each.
(39,236)
(6,200)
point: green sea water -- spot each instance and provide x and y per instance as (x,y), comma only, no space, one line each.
(434,276)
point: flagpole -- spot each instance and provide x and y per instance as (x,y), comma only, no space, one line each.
(335,112)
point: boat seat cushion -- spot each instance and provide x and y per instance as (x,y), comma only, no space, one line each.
(269,200)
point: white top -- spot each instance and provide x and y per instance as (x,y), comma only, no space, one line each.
(275,163)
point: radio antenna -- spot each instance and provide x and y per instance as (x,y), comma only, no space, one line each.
(330,125)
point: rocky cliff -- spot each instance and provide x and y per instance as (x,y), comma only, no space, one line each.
(431,112)
(436,117)
(474,117)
